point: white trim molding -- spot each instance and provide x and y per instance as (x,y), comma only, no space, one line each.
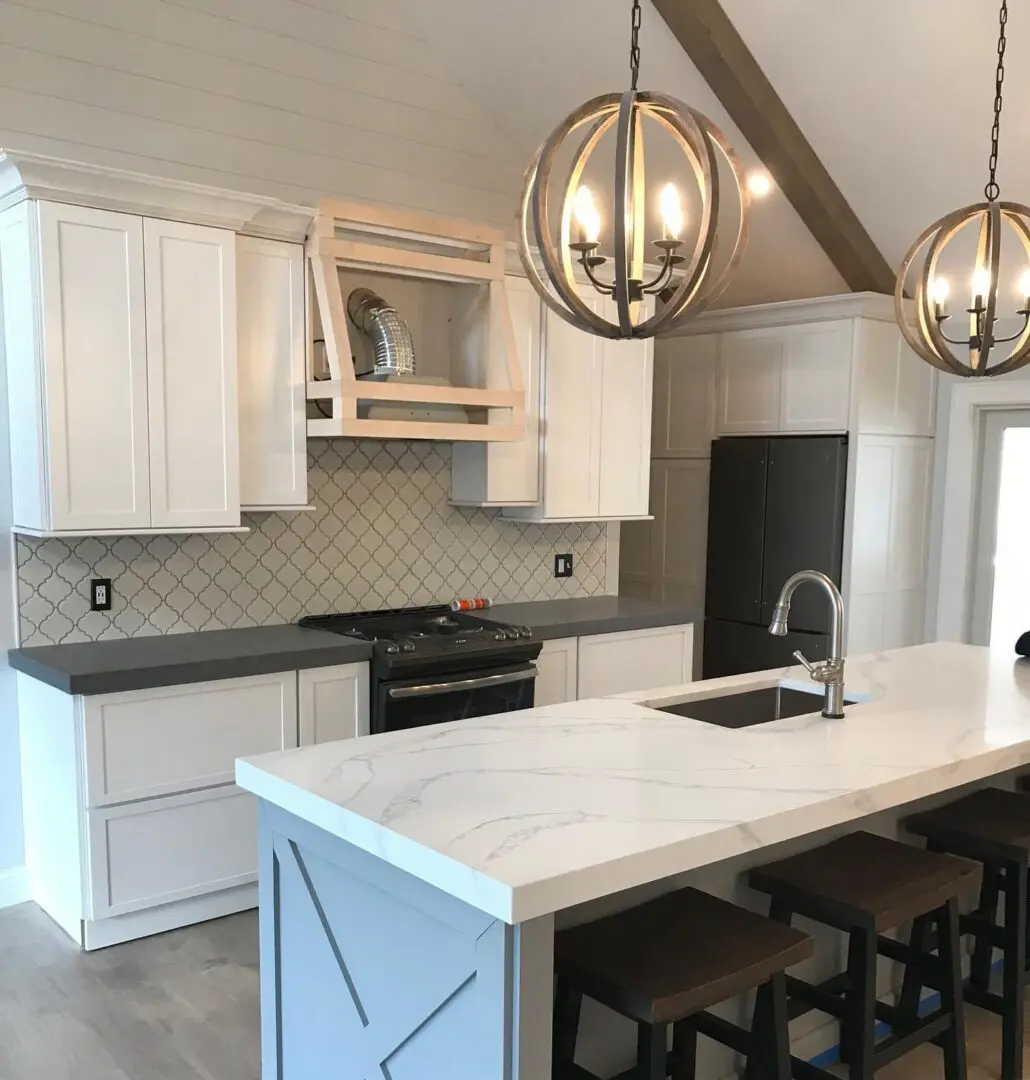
(962,465)
(865,305)
(14,886)
(38,176)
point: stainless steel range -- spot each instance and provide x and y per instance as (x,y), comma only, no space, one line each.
(431,665)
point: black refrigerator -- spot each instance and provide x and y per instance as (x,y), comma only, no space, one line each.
(776,506)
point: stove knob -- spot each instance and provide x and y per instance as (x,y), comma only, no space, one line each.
(524,632)
(513,635)
(408,646)
(393,648)
(500,635)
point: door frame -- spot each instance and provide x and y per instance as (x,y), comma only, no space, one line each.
(955,575)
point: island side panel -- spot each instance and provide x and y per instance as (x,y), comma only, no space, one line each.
(368,972)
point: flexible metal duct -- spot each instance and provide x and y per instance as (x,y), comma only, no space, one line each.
(391,338)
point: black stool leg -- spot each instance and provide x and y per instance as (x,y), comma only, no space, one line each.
(950,954)
(684,1051)
(1013,967)
(983,948)
(567,1004)
(757,1065)
(912,985)
(861,1006)
(779,1029)
(652,1051)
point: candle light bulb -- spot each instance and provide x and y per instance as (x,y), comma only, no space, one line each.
(587,217)
(1023,287)
(671,211)
(981,282)
(940,290)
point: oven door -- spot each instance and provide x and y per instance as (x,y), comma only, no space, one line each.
(409,703)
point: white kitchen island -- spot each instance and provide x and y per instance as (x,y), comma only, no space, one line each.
(410,881)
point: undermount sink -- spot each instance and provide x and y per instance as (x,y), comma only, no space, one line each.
(752,707)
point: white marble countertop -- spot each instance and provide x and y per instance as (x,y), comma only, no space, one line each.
(528,813)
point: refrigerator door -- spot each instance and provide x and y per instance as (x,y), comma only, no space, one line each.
(736,529)
(804,523)
(736,648)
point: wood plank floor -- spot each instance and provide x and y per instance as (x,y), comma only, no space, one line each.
(184,1006)
(180,1006)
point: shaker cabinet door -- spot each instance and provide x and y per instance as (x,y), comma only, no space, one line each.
(191,364)
(95,368)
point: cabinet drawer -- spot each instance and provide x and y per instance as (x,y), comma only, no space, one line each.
(178,738)
(170,849)
(635,660)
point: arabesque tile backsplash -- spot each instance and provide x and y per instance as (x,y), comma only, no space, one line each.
(383,535)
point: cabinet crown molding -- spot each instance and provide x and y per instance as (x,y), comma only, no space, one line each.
(865,305)
(24,175)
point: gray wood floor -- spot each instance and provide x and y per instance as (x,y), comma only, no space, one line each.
(180,1006)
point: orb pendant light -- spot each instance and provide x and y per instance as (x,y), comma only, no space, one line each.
(683,273)
(976,353)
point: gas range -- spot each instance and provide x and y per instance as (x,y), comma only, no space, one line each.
(434,640)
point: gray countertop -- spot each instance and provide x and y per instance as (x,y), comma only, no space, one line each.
(103,667)
(591,615)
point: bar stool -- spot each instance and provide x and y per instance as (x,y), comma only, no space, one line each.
(992,827)
(864,884)
(661,965)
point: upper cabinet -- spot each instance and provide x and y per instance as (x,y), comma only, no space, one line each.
(120,343)
(589,418)
(685,376)
(272,374)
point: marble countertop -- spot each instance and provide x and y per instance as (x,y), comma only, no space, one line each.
(528,813)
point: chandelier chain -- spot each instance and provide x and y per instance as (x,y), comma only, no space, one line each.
(634,47)
(992,191)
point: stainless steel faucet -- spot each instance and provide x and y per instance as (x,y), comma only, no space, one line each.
(828,672)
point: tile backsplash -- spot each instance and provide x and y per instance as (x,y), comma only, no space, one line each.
(383,535)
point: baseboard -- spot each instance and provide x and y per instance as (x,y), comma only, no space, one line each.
(14,886)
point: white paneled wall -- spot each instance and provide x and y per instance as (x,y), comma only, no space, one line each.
(291,98)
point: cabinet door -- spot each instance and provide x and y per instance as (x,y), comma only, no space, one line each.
(635,660)
(272,373)
(680,531)
(750,381)
(572,421)
(556,672)
(191,368)
(816,392)
(627,378)
(684,396)
(333,703)
(736,529)
(95,364)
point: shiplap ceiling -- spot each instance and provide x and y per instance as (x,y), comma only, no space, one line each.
(894,95)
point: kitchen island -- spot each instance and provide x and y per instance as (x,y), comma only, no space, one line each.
(410,882)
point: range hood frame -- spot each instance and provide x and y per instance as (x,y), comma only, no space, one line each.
(353,236)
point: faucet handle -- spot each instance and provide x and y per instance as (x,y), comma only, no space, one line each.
(802,659)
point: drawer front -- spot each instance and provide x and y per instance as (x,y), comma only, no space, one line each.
(181,738)
(636,660)
(170,849)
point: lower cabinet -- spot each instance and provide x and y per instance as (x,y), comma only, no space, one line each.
(333,703)
(556,666)
(636,660)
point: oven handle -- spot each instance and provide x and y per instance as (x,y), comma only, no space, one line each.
(396,693)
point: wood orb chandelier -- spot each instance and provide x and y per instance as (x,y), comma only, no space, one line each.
(976,354)
(686,283)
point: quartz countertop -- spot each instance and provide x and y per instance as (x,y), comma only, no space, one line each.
(579,616)
(103,667)
(528,813)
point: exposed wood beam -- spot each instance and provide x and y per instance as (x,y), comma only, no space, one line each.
(710,40)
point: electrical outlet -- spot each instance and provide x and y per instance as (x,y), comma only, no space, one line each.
(100,594)
(563,565)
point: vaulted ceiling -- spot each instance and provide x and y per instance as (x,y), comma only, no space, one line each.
(894,95)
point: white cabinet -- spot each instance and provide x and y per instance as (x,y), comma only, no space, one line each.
(635,660)
(333,703)
(788,379)
(685,370)
(272,374)
(897,391)
(190,274)
(556,666)
(120,346)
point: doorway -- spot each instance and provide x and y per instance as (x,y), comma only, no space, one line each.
(1001,572)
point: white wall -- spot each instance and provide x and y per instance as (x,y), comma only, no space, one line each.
(292,98)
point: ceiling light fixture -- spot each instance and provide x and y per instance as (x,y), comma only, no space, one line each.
(925,331)
(687,283)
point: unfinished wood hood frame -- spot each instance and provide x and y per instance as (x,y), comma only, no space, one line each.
(407,244)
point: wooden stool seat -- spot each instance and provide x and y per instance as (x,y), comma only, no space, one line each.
(676,955)
(990,824)
(866,881)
